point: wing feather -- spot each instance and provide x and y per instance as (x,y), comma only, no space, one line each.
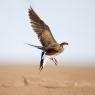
(42,30)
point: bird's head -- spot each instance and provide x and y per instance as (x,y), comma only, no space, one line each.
(64,44)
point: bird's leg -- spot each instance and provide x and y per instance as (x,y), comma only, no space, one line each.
(41,62)
(54,60)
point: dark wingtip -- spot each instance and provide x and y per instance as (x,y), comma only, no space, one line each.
(30,8)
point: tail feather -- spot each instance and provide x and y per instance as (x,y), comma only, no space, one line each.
(39,47)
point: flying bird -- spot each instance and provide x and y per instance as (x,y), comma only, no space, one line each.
(50,47)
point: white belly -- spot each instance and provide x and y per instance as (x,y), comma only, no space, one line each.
(46,57)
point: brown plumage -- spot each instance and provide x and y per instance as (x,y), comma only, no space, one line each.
(49,47)
(42,30)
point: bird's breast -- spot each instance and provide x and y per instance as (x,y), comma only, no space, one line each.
(55,52)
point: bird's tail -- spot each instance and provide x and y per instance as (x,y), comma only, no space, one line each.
(38,47)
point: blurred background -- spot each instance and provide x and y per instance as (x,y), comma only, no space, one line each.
(69,20)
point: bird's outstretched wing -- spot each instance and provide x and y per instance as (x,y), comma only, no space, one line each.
(42,30)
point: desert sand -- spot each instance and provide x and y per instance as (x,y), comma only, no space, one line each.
(25,79)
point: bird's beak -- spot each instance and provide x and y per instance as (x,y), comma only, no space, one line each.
(66,46)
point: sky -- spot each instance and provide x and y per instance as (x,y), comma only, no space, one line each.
(72,21)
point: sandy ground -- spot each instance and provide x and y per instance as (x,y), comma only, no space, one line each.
(53,80)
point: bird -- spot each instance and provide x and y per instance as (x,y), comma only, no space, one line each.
(50,48)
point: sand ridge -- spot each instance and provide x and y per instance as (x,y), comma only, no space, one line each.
(61,80)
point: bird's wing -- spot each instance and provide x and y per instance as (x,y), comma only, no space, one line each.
(42,30)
